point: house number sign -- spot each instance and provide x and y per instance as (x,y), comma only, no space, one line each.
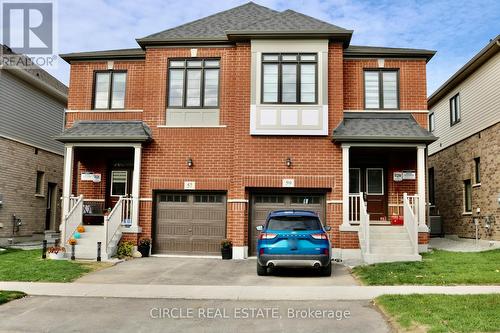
(288,183)
(189,185)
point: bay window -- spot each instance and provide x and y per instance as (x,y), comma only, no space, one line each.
(289,78)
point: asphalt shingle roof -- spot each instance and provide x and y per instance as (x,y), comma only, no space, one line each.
(103,131)
(249,17)
(381,127)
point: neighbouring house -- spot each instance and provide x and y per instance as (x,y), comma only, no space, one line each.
(464,163)
(32,106)
(196,135)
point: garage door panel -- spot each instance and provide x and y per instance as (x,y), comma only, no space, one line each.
(190,223)
(205,246)
(171,244)
(263,204)
(207,229)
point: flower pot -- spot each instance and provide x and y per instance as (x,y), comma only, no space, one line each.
(227,253)
(56,256)
(144,249)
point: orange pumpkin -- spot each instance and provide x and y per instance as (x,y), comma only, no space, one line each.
(72,241)
(80,229)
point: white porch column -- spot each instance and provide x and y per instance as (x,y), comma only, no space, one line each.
(136,186)
(345,185)
(421,186)
(67,185)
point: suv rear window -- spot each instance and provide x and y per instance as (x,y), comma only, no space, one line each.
(294,223)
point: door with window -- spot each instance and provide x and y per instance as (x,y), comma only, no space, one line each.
(376,199)
(371,181)
(120,184)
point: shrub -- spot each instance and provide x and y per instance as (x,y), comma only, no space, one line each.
(225,243)
(144,242)
(125,249)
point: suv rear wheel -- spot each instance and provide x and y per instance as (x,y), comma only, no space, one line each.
(326,270)
(261,270)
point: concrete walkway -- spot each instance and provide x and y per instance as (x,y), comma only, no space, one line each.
(456,244)
(234,292)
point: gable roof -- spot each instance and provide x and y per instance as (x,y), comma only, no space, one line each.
(470,67)
(242,22)
(33,74)
(381,127)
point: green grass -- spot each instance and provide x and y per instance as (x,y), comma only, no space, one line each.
(19,265)
(436,268)
(443,313)
(7,296)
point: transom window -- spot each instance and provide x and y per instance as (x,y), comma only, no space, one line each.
(109,89)
(381,89)
(208,198)
(173,198)
(193,83)
(118,183)
(269,199)
(289,78)
(305,200)
(454,109)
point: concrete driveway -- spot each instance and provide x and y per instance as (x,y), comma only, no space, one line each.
(211,271)
(77,314)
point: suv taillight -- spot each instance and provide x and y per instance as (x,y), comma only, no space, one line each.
(319,236)
(267,235)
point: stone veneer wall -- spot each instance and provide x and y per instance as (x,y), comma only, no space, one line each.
(455,164)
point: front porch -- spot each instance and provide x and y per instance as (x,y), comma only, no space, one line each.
(383,187)
(101,185)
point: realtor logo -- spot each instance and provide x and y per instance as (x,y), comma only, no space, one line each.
(27,27)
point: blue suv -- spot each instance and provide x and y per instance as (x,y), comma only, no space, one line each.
(293,238)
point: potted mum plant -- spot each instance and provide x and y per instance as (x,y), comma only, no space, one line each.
(144,246)
(56,252)
(226,249)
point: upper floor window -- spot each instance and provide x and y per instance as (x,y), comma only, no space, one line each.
(454,109)
(289,78)
(109,89)
(381,89)
(432,122)
(193,83)
(477,168)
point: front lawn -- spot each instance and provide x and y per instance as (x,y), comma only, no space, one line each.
(436,268)
(20,265)
(443,313)
(7,296)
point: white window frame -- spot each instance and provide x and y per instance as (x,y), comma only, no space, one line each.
(367,188)
(112,182)
(359,179)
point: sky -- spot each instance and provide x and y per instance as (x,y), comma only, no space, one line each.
(456,29)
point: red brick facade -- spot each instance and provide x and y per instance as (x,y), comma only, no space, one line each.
(229,158)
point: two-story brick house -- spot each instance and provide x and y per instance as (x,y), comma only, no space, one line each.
(210,125)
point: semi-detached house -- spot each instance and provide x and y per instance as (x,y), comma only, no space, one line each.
(203,129)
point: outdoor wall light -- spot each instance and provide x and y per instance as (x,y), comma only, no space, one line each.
(189,162)
(288,162)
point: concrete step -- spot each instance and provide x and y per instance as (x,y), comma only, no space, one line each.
(395,250)
(389,236)
(390,242)
(387,230)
